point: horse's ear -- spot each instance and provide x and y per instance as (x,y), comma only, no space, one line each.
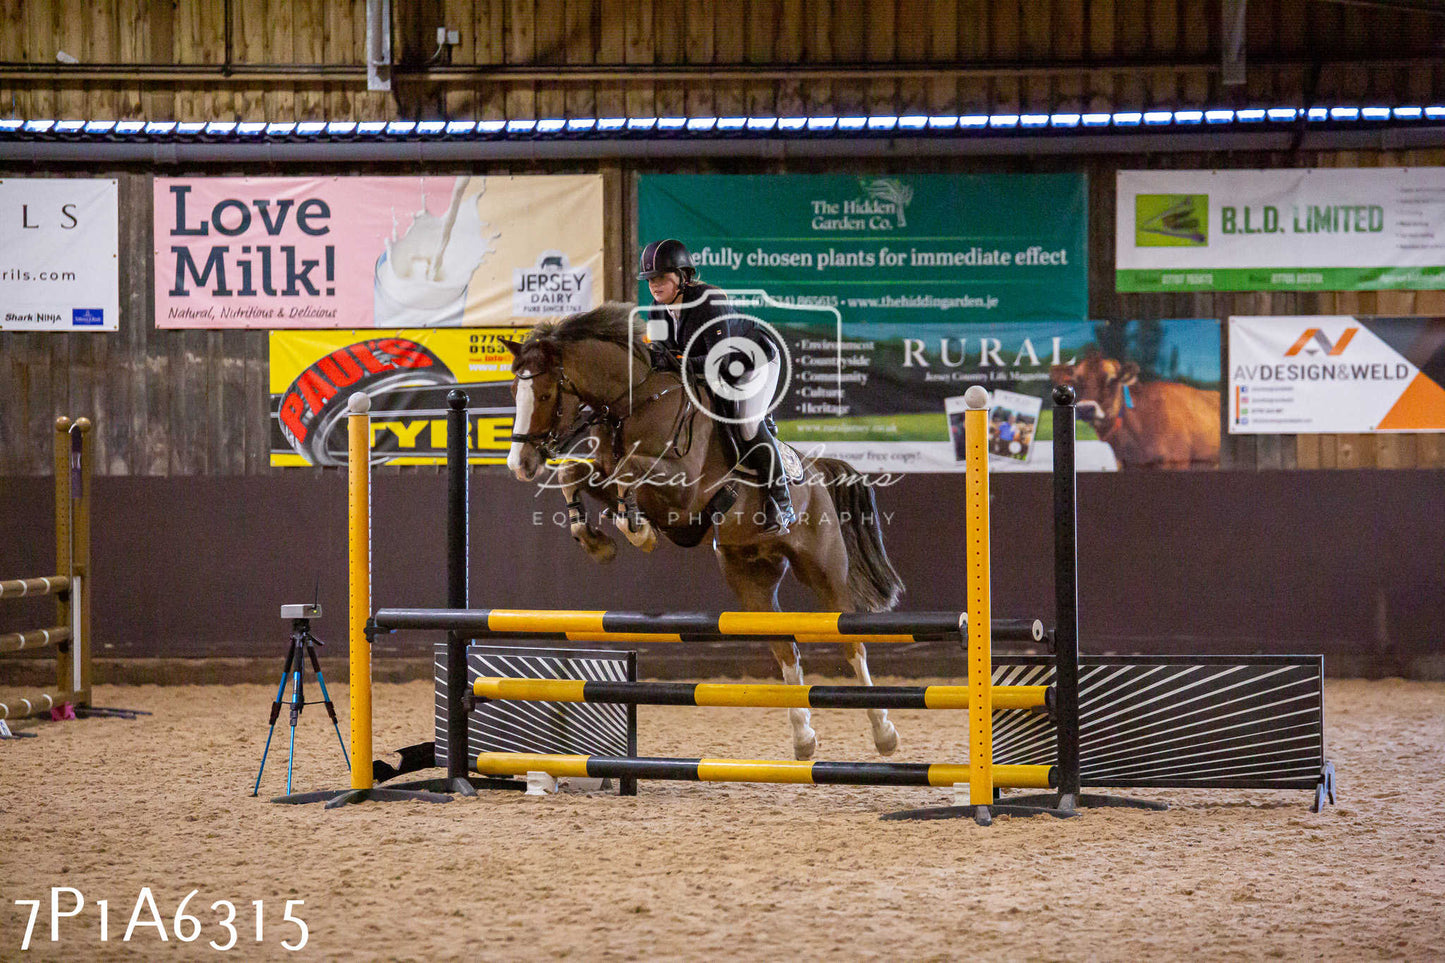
(513,346)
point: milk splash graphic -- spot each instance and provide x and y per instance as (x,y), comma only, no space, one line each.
(422,277)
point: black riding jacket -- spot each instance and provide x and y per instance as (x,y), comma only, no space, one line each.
(716,320)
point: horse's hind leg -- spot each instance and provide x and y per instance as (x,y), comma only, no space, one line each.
(754,578)
(824,569)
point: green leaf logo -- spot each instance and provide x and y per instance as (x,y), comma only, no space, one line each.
(1171,220)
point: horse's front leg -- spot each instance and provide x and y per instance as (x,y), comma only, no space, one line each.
(885,734)
(572,477)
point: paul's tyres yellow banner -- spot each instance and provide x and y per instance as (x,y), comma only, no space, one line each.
(407,373)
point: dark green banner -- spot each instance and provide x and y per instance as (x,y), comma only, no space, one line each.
(892,249)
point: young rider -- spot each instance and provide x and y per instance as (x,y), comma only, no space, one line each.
(732,355)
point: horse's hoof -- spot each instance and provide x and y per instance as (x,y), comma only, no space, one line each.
(805,747)
(887,740)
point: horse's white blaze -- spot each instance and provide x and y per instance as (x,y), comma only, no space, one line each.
(519,427)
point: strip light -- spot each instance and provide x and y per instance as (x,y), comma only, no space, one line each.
(824,126)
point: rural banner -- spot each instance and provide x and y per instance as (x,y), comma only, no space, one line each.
(889,397)
(1325,229)
(408,374)
(386,252)
(894,249)
(1303,375)
(59,269)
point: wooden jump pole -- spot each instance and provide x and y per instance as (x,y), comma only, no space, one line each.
(71,465)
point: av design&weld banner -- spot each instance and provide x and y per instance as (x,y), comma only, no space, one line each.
(59,269)
(1303,375)
(408,374)
(889,397)
(898,249)
(1327,229)
(387,252)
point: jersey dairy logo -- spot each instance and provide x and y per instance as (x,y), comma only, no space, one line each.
(883,206)
(553,286)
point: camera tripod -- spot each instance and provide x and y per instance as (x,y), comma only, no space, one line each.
(303,646)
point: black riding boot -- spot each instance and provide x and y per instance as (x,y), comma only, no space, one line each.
(761,455)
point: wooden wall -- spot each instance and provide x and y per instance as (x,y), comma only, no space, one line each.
(195,402)
(302,59)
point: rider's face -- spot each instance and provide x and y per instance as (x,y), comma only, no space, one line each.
(665,287)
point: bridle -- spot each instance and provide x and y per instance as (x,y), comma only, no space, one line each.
(555,442)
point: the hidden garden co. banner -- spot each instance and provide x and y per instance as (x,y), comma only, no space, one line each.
(59,269)
(408,374)
(1325,229)
(886,249)
(889,397)
(1316,374)
(385,252)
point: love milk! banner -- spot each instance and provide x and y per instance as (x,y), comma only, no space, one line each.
(388,252)
(59,267)
(1345,374)
(1327,229)
(903,248)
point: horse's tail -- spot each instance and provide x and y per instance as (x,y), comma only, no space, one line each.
(873,583)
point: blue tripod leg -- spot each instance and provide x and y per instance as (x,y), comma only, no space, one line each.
(275,714)
(326,699)
(298,702)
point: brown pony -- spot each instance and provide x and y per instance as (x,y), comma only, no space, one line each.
(588,377)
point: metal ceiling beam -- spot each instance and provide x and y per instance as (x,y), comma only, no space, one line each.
(166,155)
(562,74)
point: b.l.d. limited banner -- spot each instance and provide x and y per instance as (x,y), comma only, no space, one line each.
(389,252)
(1327,229)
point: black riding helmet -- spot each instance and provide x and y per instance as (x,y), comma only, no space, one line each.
(661,257)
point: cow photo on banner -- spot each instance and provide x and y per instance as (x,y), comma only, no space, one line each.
(383,252)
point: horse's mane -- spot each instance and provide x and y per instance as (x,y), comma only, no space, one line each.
(612,322)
